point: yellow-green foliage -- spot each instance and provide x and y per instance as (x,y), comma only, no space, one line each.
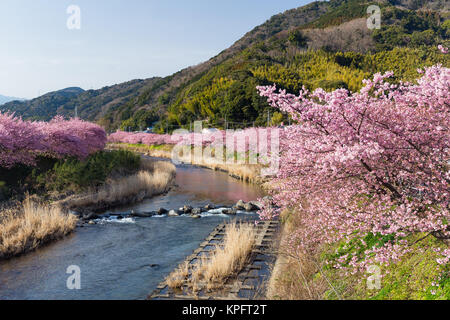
(205,102)
(417,276)
(405,61)
(335,70)
(315,69)
(229,90)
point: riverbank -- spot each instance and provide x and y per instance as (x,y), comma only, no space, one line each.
(232,263)
(152,179)
(298,275)
(421,274)
(49,216)
(25,228)
(125,256)
(245,172)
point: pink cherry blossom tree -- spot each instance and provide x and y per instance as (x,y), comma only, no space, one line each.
(376,161)
(22,141)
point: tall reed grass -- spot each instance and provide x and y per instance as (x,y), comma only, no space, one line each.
(228,258)
(243,171)
(34,224)
(155,177)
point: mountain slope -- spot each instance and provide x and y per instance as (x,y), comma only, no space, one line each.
(298,47)
(279,52)
(43,106)
(91,104)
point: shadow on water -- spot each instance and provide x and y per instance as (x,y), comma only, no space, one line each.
(126,259)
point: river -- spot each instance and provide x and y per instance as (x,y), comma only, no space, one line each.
(126,259)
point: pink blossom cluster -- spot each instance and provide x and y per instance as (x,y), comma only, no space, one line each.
(376,161)
(201,139)
(444,256)
(21,141)
(443,49)
(249,139)
(140,138)
(256,140)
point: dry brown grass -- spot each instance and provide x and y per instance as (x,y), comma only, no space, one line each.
(156,178)
(26,228)
(157,166)
(296,275)
(228,258)
(245,171)
(349,36)
(295,278)
(212,271)
(176,278)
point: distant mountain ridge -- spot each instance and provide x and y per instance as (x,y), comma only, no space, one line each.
(5,99)
(90,103)
(298,47)
(43,107)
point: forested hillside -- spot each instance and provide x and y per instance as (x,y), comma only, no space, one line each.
(324,44)
(91,104)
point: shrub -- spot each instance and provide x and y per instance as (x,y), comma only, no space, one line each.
(297,38)
(76,175)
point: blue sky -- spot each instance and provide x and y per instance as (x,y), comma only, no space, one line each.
(118,41)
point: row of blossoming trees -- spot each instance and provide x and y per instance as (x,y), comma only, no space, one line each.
(243,140)
(374,162)
(21,142)
(149,139)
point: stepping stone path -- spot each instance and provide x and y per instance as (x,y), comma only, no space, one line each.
(248,284)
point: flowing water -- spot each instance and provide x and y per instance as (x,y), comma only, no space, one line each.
(126,259)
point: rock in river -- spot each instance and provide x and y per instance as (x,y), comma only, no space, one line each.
(230,211)
(173,213)
(141,214)
(89,216)
(250,207)
(258,205)
(162,211)
(240,205)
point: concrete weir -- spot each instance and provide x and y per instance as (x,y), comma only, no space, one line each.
(248,284)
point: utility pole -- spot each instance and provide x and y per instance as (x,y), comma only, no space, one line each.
(76,112)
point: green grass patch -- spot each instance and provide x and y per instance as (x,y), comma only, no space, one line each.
(417,276)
